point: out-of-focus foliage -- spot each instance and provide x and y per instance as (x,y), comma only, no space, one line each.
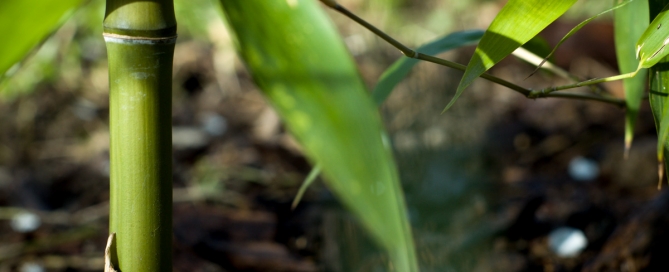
(630,22)
(302,66)
(401,68)
(23,24)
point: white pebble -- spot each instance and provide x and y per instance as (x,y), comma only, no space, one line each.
(214,124)
(31,267)
(583,169)
(25,222)
(567,242)
(188,138)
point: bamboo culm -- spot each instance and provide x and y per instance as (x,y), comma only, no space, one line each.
(140,39)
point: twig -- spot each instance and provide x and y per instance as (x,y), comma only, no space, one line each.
(416,55)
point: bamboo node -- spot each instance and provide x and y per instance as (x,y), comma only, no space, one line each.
(117,38)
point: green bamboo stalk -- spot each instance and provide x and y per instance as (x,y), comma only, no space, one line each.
(140,37)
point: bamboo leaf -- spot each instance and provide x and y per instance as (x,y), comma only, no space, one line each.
(629,23)
(662,134)
(651,46)
(658,95)
(581,25)
(660,108)
(24,24)
(401,68)
(301,65)
(516,23)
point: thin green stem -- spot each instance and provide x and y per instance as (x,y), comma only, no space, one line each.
(583,96)
(544,92)
(524,91)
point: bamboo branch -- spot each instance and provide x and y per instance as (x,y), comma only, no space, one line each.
(416,55)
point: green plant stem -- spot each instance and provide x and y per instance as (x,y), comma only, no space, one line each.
(524,91)
(547,91)
(140,39)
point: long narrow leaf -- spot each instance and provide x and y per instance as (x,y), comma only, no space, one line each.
(23,24)
(630,22)
(658,95)
(396,73)
(300,63)
(401,68)
(516,23)
(651,47)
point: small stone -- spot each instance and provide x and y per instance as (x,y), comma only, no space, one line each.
(583,169)
(25,222)
(31,267)
(188,138)
(567,242)
(214,124)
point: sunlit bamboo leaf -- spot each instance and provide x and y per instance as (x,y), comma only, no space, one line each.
(516,23)
(23,24)
(302,66)
(582,24)
(630,23)
(650,48)
(401,68)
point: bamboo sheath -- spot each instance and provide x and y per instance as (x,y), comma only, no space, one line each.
(140,39)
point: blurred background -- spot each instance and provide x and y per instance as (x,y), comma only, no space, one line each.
(497,183)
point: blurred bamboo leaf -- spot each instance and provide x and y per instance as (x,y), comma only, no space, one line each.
(658,95)
(516,23)
(401,68)
(300,63)
(24,24)
(397,72)
(630,22)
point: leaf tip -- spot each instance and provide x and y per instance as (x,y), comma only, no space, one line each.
(450,104)
(660,173)
(628,146)
(298,198)
(294,204)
